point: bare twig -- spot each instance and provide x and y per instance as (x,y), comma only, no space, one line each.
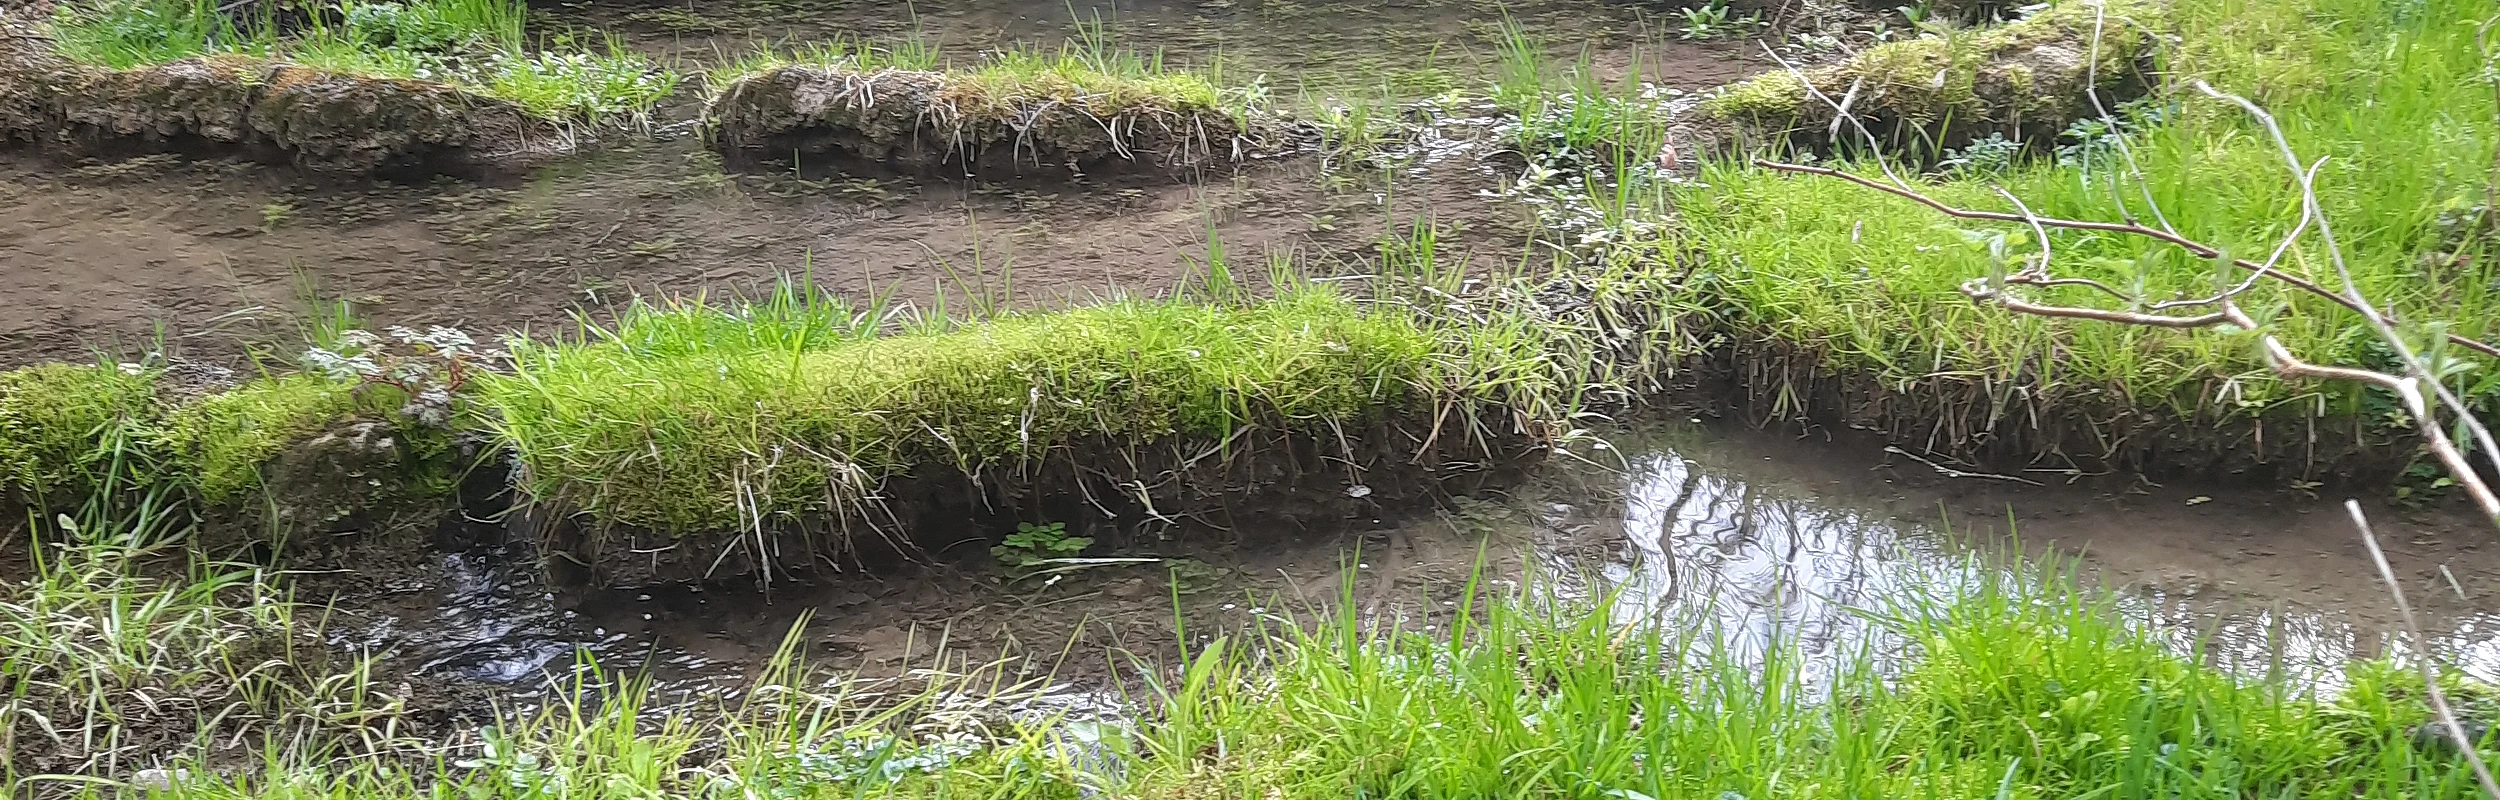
(2430,673)
(2418,367)
(2192,246)
(2278,357)
(1950,472)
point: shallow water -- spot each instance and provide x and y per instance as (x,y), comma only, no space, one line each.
(1760,540)
(1410,48)
(1715,536)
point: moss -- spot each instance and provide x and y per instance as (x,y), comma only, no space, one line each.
(57,422)
(656,431)
(224,439)
(2027,78)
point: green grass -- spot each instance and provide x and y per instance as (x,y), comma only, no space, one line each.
(74,431)
(684,414)
(2394,93)
(2013,691)
(107,666)
(477,45)
(1569,116)
(2010,689)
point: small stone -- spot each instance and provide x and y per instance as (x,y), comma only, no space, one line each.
(159,780)
(2433,736)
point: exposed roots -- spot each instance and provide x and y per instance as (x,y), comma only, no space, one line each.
(267,110)
(915,122)
(2026,81)
(1273,477)
(2015,424)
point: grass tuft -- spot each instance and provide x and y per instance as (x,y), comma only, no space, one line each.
(685,412)
(1086,73)
(477,45)
(105,670)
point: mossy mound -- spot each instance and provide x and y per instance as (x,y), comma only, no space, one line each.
(286,456)
(59,422)
(2026,81)
(961,125)
(700,440)
(264,109)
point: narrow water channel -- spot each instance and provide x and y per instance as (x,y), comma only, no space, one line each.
(1758,538)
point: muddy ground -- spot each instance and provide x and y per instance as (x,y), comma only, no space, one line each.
(219,254)
(210,258)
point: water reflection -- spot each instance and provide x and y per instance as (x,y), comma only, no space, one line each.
(1707,540)
(1739,557)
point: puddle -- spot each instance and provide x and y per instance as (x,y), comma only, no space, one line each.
(1752,537)
(1772,543)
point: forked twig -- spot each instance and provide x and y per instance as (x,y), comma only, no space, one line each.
(2278,357)
(2193,247)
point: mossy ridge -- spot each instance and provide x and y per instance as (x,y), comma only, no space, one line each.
(1016,113)
(474,46)
(176,75)
(686,437)
(63,426)
(223,439)
(273,110)
(59,421)
(2026,79)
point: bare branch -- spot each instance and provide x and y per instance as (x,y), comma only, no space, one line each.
(1977,289)
(2420,368)
(2430,673)
(2192,246)
(1841,113)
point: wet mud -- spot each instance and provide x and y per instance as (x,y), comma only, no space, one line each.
(208,259)
(213,258)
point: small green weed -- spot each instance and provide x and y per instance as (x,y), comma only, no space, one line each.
(275,214)
(1033,546)
(1713,20)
